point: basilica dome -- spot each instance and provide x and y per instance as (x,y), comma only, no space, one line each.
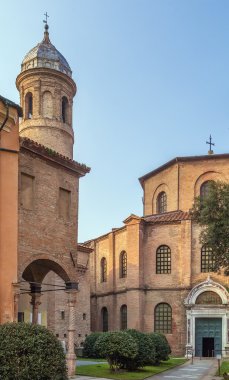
(46,55)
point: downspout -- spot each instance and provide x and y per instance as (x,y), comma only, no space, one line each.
(6,118)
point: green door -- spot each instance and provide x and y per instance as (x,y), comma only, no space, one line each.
(208,328)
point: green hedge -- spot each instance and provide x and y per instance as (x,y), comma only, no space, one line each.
(162,347)
(118,348)
(30,352)
(89,346)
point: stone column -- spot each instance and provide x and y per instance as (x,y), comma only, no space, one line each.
(71,357)
(35,301)
(16,296)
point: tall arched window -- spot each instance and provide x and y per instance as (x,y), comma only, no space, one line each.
(207,259)
(28,105)
(104,316)
(65,109)
(47,105)
(163,260)
(161,202)
(163,318)
(204,189)
(123,264)
(123,317)
(103,269)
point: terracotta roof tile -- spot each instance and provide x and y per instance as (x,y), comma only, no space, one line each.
(167,217)
(53,155)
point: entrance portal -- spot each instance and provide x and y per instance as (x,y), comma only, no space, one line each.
(208,336)
(208,347)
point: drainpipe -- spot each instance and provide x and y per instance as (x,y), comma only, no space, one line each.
(6,118)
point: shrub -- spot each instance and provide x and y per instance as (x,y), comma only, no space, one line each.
(89,345)
(162,347)
(146,350)
(118,347)
(30,352)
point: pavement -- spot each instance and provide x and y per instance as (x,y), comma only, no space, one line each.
(203,369)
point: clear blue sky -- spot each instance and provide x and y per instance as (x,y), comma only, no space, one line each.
(153,83)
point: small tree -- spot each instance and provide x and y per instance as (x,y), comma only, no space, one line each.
(118,348)
(89,345)
(146,350)
(212,213)
(30,352)
(162,347)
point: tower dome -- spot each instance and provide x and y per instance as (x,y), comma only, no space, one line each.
(46,93)
(45,54)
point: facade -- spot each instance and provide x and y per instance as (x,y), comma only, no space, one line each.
(9,150)
(153,275)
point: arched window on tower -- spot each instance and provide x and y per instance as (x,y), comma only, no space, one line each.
(161,202)
(65,109)
(123,317)
(103,270)
(204,189)
(123,264)
(163,318)
(28,105)
(104,316)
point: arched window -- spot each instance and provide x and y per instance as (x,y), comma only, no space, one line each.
(103,269)
(28,105)
(207,259)
(104,315)
(123,264)
(123,317)
(209,298)
(163,318)
(163,260)
(161,202)
(65,109)
(47,105)
(204,189)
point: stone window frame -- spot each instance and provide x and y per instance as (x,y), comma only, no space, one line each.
(104,319)
(162,202)
(207,259)
(163,318)
(123,264)
(103,270)
(163,260)
(123,317)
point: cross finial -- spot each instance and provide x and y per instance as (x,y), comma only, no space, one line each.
(46,20)
(210,144)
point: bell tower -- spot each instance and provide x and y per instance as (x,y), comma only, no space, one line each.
(46,94)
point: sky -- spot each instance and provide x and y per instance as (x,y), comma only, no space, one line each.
(153,84)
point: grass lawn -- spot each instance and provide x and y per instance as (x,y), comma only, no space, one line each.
(103,370)
(224,368)
(91,359)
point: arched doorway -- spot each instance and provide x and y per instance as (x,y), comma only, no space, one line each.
(40,281)
(207,320)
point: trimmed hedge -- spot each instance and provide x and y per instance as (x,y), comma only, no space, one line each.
(30,352)
(146,350)
(118,348)
(89,345)
(162,347)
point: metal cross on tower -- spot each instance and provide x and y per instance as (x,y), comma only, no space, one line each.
(210,144)
(46,18)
